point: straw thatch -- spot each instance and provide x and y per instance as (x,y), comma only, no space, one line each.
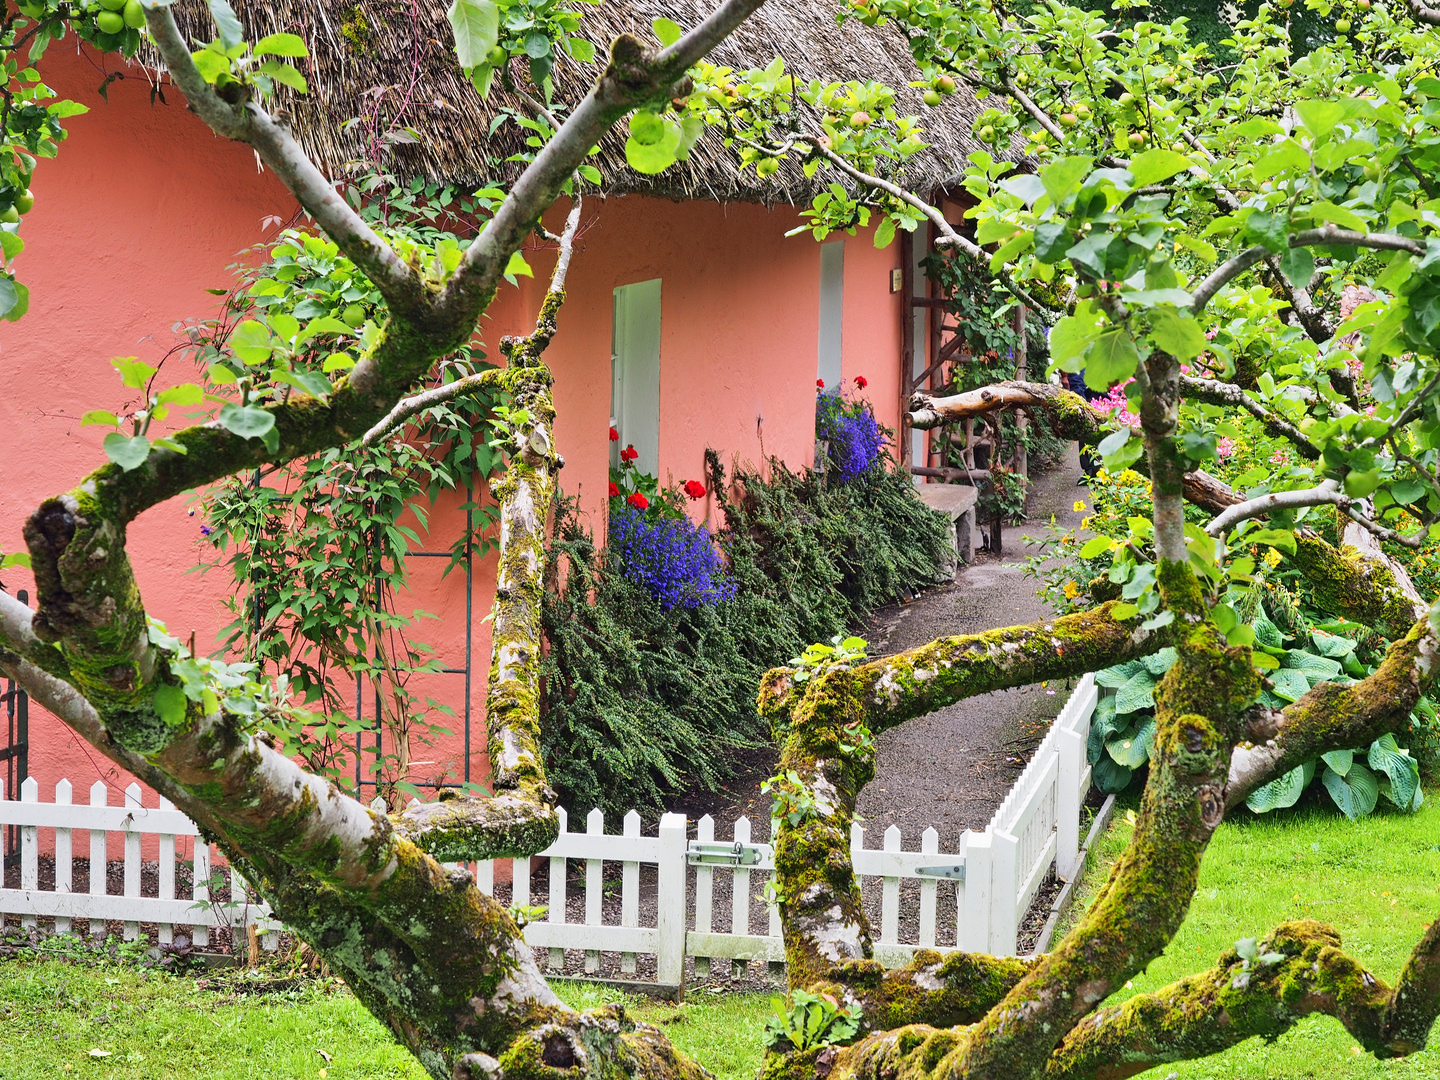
(390,64)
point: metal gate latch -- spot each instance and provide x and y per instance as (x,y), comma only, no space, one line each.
(698,853)
(952,870)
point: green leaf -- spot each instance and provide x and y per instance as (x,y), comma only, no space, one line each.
(1198,246)
(1132,748)
(129,453)
(1121,612)
(100,416)
(1339,760)
(227,23)
(1052,240)
(1072,335)
(1156,165)
(11,245)
(1332,645)
(247,421)
(1176,333)
(1095,547)
(1109,776)
(1062,178)
(1284,155)
(1262,660)
(885,232)
(476,24)
(1159,663)
(281,45)
(1399,768)
(170,704)
(1092,253)
(667,31)
(133,373)
(653,144)
(184,394)
(536,46)
(251,342)
(1320,117)
(1272,230)
(1115,677)
(1328,211)
(517,266)
(1298,266)
(1137,693)
(284,73)
(1316,668)
(1290,685)
(1282,539)
(1355,793)
(1111,359)
(583,51)
(1283,792)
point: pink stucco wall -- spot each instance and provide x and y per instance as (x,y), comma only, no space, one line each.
(143,211)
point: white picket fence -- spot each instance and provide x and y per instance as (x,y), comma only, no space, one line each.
(996,873)
(133,821)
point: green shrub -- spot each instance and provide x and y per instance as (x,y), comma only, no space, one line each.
(641,702)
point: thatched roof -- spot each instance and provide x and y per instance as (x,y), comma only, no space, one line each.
(369,59)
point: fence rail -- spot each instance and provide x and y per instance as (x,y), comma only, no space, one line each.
(996,873)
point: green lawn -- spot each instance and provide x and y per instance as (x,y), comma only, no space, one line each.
(1377,881)
(157,1026)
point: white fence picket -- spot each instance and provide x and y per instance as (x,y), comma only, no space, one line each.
(64,854)
(704,894)
(1035,829)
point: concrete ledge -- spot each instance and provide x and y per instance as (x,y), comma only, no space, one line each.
(956,501)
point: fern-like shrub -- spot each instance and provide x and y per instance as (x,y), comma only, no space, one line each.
(643,700)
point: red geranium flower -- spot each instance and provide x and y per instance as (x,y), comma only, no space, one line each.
(614,490)
(614,435)
(629,454)
(639,501)
(861,381)
(694,488)
(819,384)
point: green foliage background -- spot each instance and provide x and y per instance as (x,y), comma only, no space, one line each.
(641,702)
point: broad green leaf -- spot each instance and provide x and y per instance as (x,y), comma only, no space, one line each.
(284,73)
(184,394)
(1062,178)
(170,704)
(667,31)
(1154,297)
(580,49)
(1073,334)
(247,421)
(100,416)
(1156,165)
(1399,768)
(1328,211)
(251,342)
(1283,539)
(1137,693)
(1355,793)
(281,45)
(1027,187)
(1092,253)
(1198,246)
(1283,792)
(133,373)
(1131,748)
(1320,117)
(1290,684)
(1111,359)
(1298,266)
(1339,760)
(1113,678)
(1110,777)
(1159,663)
(1095,547)
(1122,611)
(1177,333)
(1262,660)
(1284,155)
(1052,240)
(227,23)
(1331,645)
(1266,632)
(517,266)
(476,24)
(653,144)
(11,245)
(1316,668)
(125,451)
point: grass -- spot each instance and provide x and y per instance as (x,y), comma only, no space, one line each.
(156,1026)
(1377,881)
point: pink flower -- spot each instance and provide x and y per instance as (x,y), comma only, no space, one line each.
(1226,447)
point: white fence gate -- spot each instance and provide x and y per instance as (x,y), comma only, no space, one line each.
(996,873)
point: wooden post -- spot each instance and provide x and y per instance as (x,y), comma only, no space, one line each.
(670,900)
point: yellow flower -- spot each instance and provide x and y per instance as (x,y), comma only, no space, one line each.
(1072,590)
(1079,507)
(1272,558)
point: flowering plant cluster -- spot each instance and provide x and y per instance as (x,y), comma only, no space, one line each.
(656,544)
(855,438)
(672,557)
